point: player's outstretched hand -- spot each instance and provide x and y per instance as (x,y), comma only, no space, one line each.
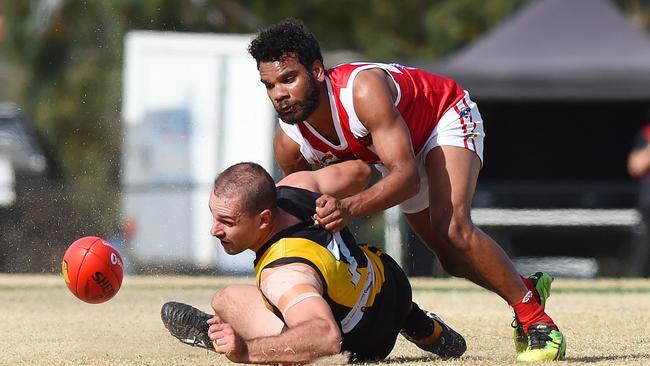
(227,341)
(331,213)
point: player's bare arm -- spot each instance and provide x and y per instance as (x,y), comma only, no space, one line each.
(287,153)
(338,180)
(311,330)
(374,104)
(638,162)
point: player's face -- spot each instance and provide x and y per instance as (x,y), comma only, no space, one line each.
(292,88)
(236,230)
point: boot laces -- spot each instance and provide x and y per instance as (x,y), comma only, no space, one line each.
(539,335)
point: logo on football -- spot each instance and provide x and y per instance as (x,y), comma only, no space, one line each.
(92,269)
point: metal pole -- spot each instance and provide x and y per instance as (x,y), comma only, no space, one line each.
(392,234)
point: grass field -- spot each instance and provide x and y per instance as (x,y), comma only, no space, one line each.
(606,322)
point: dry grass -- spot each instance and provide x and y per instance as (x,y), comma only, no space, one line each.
(605,322)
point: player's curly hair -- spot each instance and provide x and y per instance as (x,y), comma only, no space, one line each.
(290,37)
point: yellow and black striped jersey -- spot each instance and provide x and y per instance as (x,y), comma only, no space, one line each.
(352,275)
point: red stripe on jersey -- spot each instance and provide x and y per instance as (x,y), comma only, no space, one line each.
(462,123)
(471,120)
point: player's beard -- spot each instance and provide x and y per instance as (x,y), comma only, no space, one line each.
(305,108)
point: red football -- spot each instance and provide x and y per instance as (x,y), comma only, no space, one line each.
(92,269)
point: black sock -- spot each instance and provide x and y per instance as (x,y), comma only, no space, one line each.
(417,325)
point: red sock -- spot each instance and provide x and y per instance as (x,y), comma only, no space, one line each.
(531,312)
(531,286)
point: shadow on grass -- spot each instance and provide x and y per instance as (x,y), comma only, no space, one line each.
(591,359)
(407,359)
(587,359)
(410,359)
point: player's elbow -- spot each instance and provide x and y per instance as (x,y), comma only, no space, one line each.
(329,338)
(333,346)
(361,174)
(406,177)
(412,181)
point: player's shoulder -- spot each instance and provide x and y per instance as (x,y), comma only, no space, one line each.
(299,202)
(340,74)
(348,67)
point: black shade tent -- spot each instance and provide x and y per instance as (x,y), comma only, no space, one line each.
(563,86)
(557,50)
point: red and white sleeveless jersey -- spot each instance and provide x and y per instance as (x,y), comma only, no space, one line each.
(422,99)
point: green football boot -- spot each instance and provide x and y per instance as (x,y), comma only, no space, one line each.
(542,283)
(545,344)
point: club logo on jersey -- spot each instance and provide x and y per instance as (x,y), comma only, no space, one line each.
(465,112)
(328,158)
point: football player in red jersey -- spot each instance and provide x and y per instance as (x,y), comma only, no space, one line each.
(425,135)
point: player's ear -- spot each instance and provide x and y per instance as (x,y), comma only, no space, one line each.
(265,218)
(318,70)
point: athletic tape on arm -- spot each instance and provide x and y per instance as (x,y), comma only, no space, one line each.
(287,285)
